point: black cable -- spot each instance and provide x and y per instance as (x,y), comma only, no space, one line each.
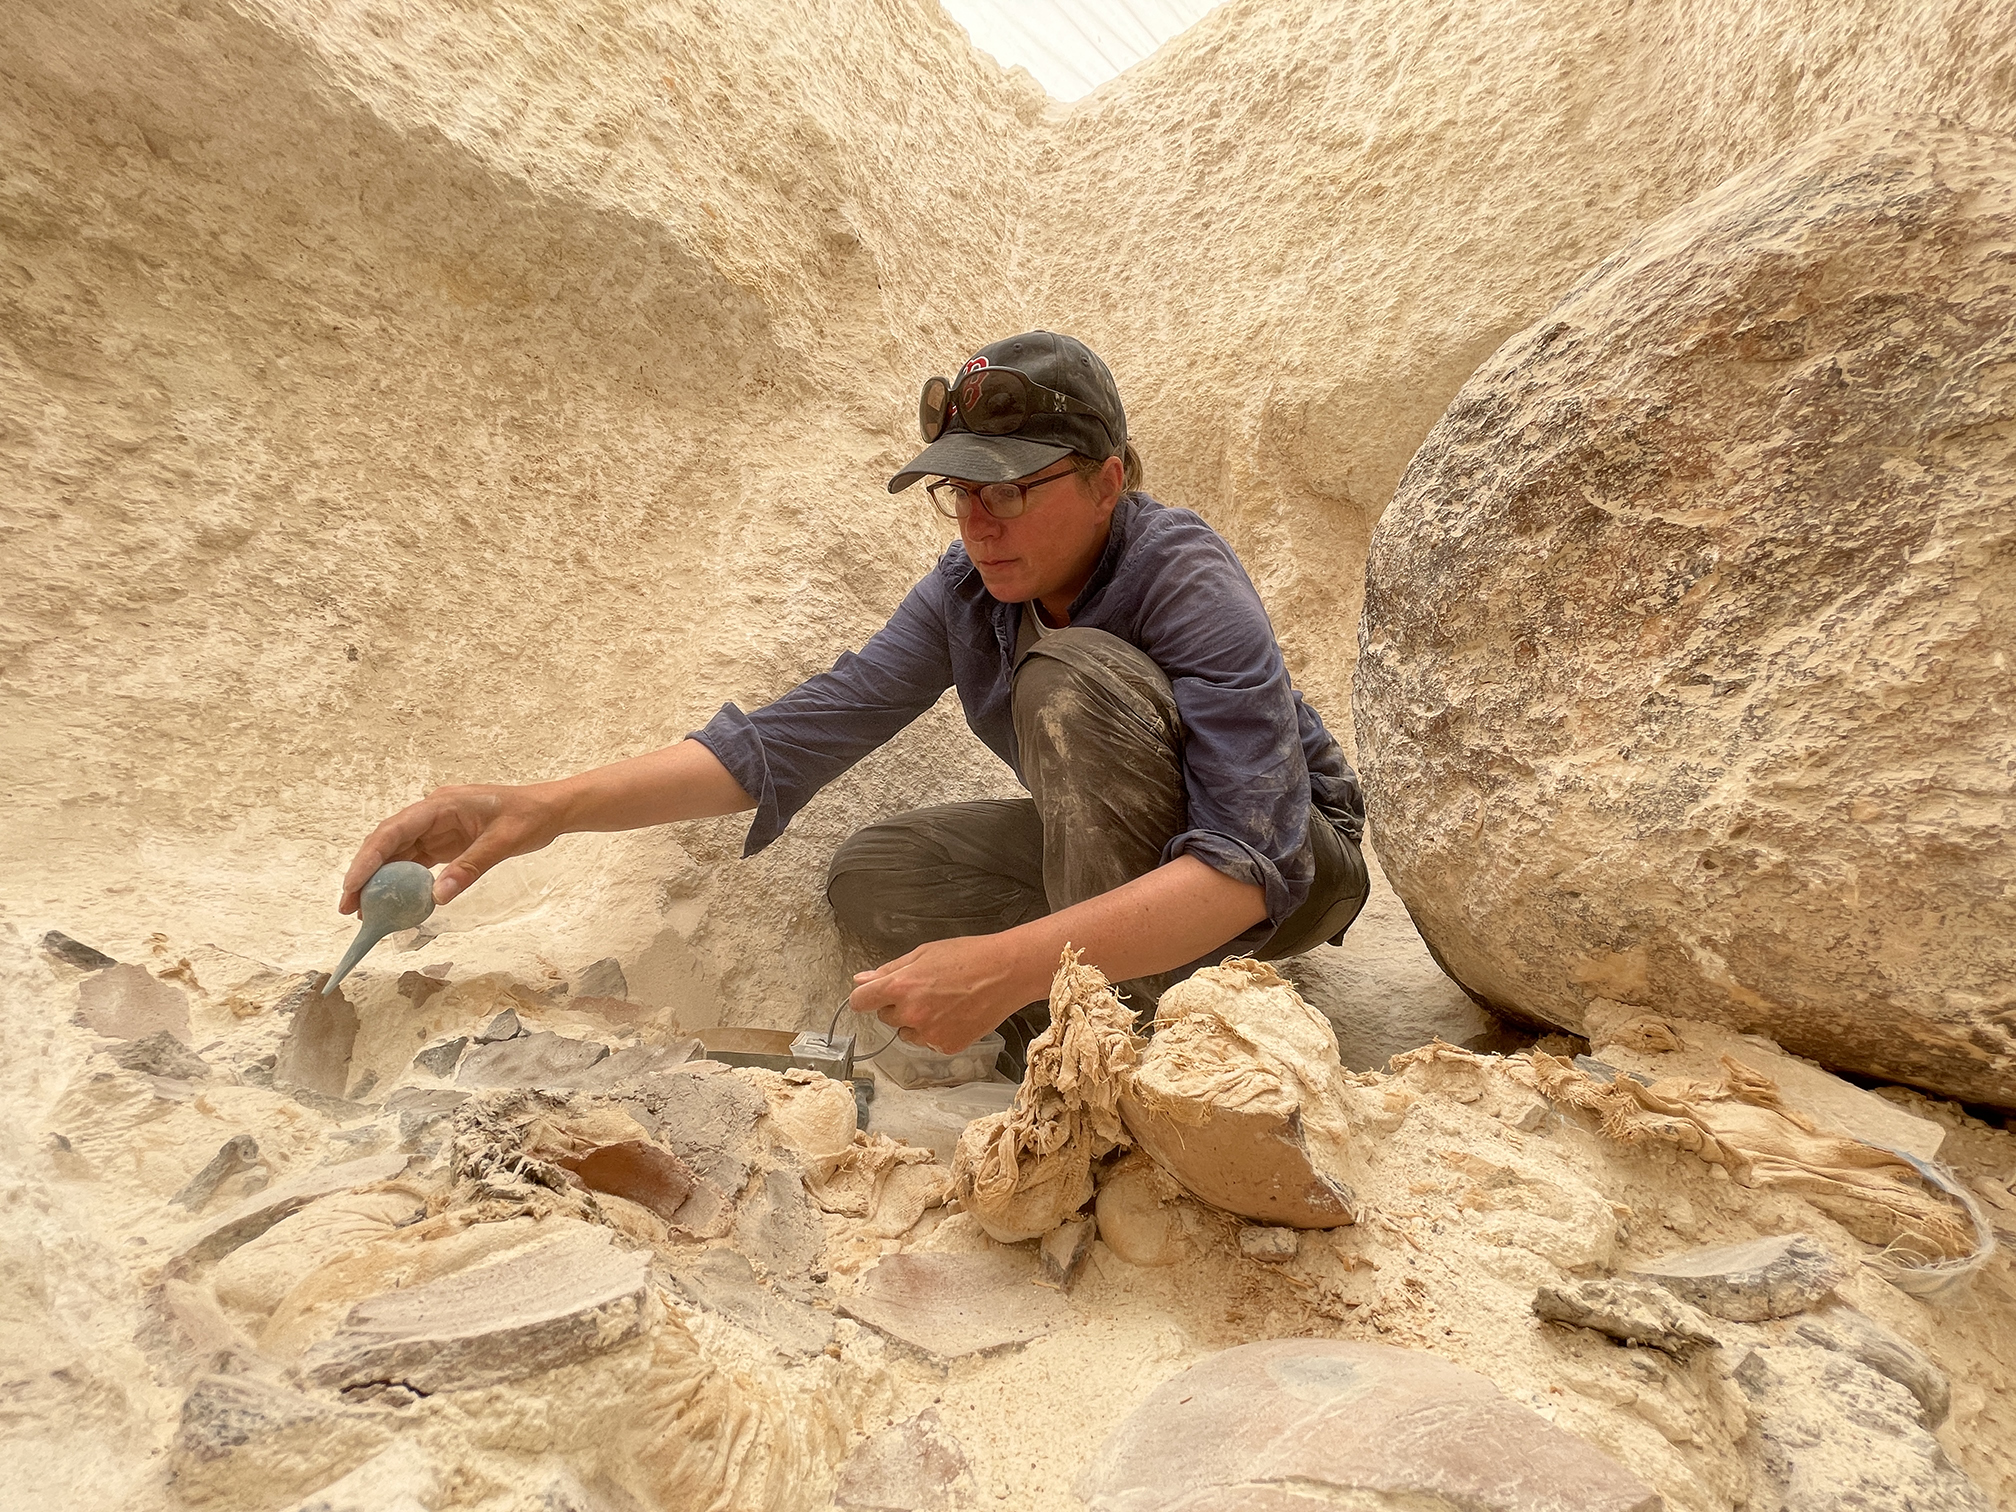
(894,1034)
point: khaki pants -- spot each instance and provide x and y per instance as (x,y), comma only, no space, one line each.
(1100,741)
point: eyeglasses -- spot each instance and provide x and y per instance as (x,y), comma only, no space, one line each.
(1004,501)
(993,402)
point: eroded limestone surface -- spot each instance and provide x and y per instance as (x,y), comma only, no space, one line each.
(1686,652)
(1272,1424)
(551,1304)
(397,395)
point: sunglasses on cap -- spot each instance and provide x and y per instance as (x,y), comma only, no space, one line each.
(993,402)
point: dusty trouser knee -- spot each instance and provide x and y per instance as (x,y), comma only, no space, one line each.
(1100,739)
(1100,742)
(939,873)
(1100,746)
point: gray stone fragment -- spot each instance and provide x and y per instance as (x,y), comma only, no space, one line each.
(1294,1423)
(439,1059)
(379,1394)
(722,1281)
(603,979)
(1846,1330)
(949,1306)
(60,947)
(573,1296)
(1632,1312)
(1062,1253)
(236,1431)
(1606,1073)
(339,1108)
(300,992)
(418,986)
(531,1060)
(364,1137)
(1751,1281)
(503,1027)
(777,1227)
(259,1212)
(315,1055)
(131,1003)
(1381,991)
(912,1466)
(705,1114)
(1828,1432)
(934,1119)
(417,1107)
(161,1055)
(238,1153)
(632,1061)
(1273,1245)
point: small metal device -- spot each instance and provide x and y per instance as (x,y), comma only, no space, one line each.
(829,1054)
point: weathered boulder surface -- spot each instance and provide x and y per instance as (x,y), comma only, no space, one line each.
(1690,639)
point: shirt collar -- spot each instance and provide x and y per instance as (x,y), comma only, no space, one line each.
(1125,513)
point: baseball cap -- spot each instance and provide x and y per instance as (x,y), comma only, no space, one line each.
(1063,363)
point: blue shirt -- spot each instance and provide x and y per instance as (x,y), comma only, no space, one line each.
(1255,756)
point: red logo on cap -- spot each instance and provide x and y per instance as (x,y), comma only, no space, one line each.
(973,365)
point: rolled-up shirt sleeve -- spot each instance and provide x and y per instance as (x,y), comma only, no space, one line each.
(785,752)
(1244,772)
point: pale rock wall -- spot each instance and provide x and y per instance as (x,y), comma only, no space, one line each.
(456,336)
(391,401)
(1298,228)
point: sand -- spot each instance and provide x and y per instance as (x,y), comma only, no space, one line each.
(399,396)
(1473,1191)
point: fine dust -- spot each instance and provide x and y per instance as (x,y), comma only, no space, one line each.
(1477,1180)
(419,394)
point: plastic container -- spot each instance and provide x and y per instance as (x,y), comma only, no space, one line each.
(913,1066)
(935,1119)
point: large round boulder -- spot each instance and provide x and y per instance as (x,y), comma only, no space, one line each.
(1688,670)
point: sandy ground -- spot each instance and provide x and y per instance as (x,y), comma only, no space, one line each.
(398,395)
(1475,1194)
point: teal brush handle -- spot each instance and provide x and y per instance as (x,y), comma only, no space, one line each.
(399,895)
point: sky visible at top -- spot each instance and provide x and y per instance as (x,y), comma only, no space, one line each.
(1073,46)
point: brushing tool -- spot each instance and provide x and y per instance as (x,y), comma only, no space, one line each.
(399,895)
